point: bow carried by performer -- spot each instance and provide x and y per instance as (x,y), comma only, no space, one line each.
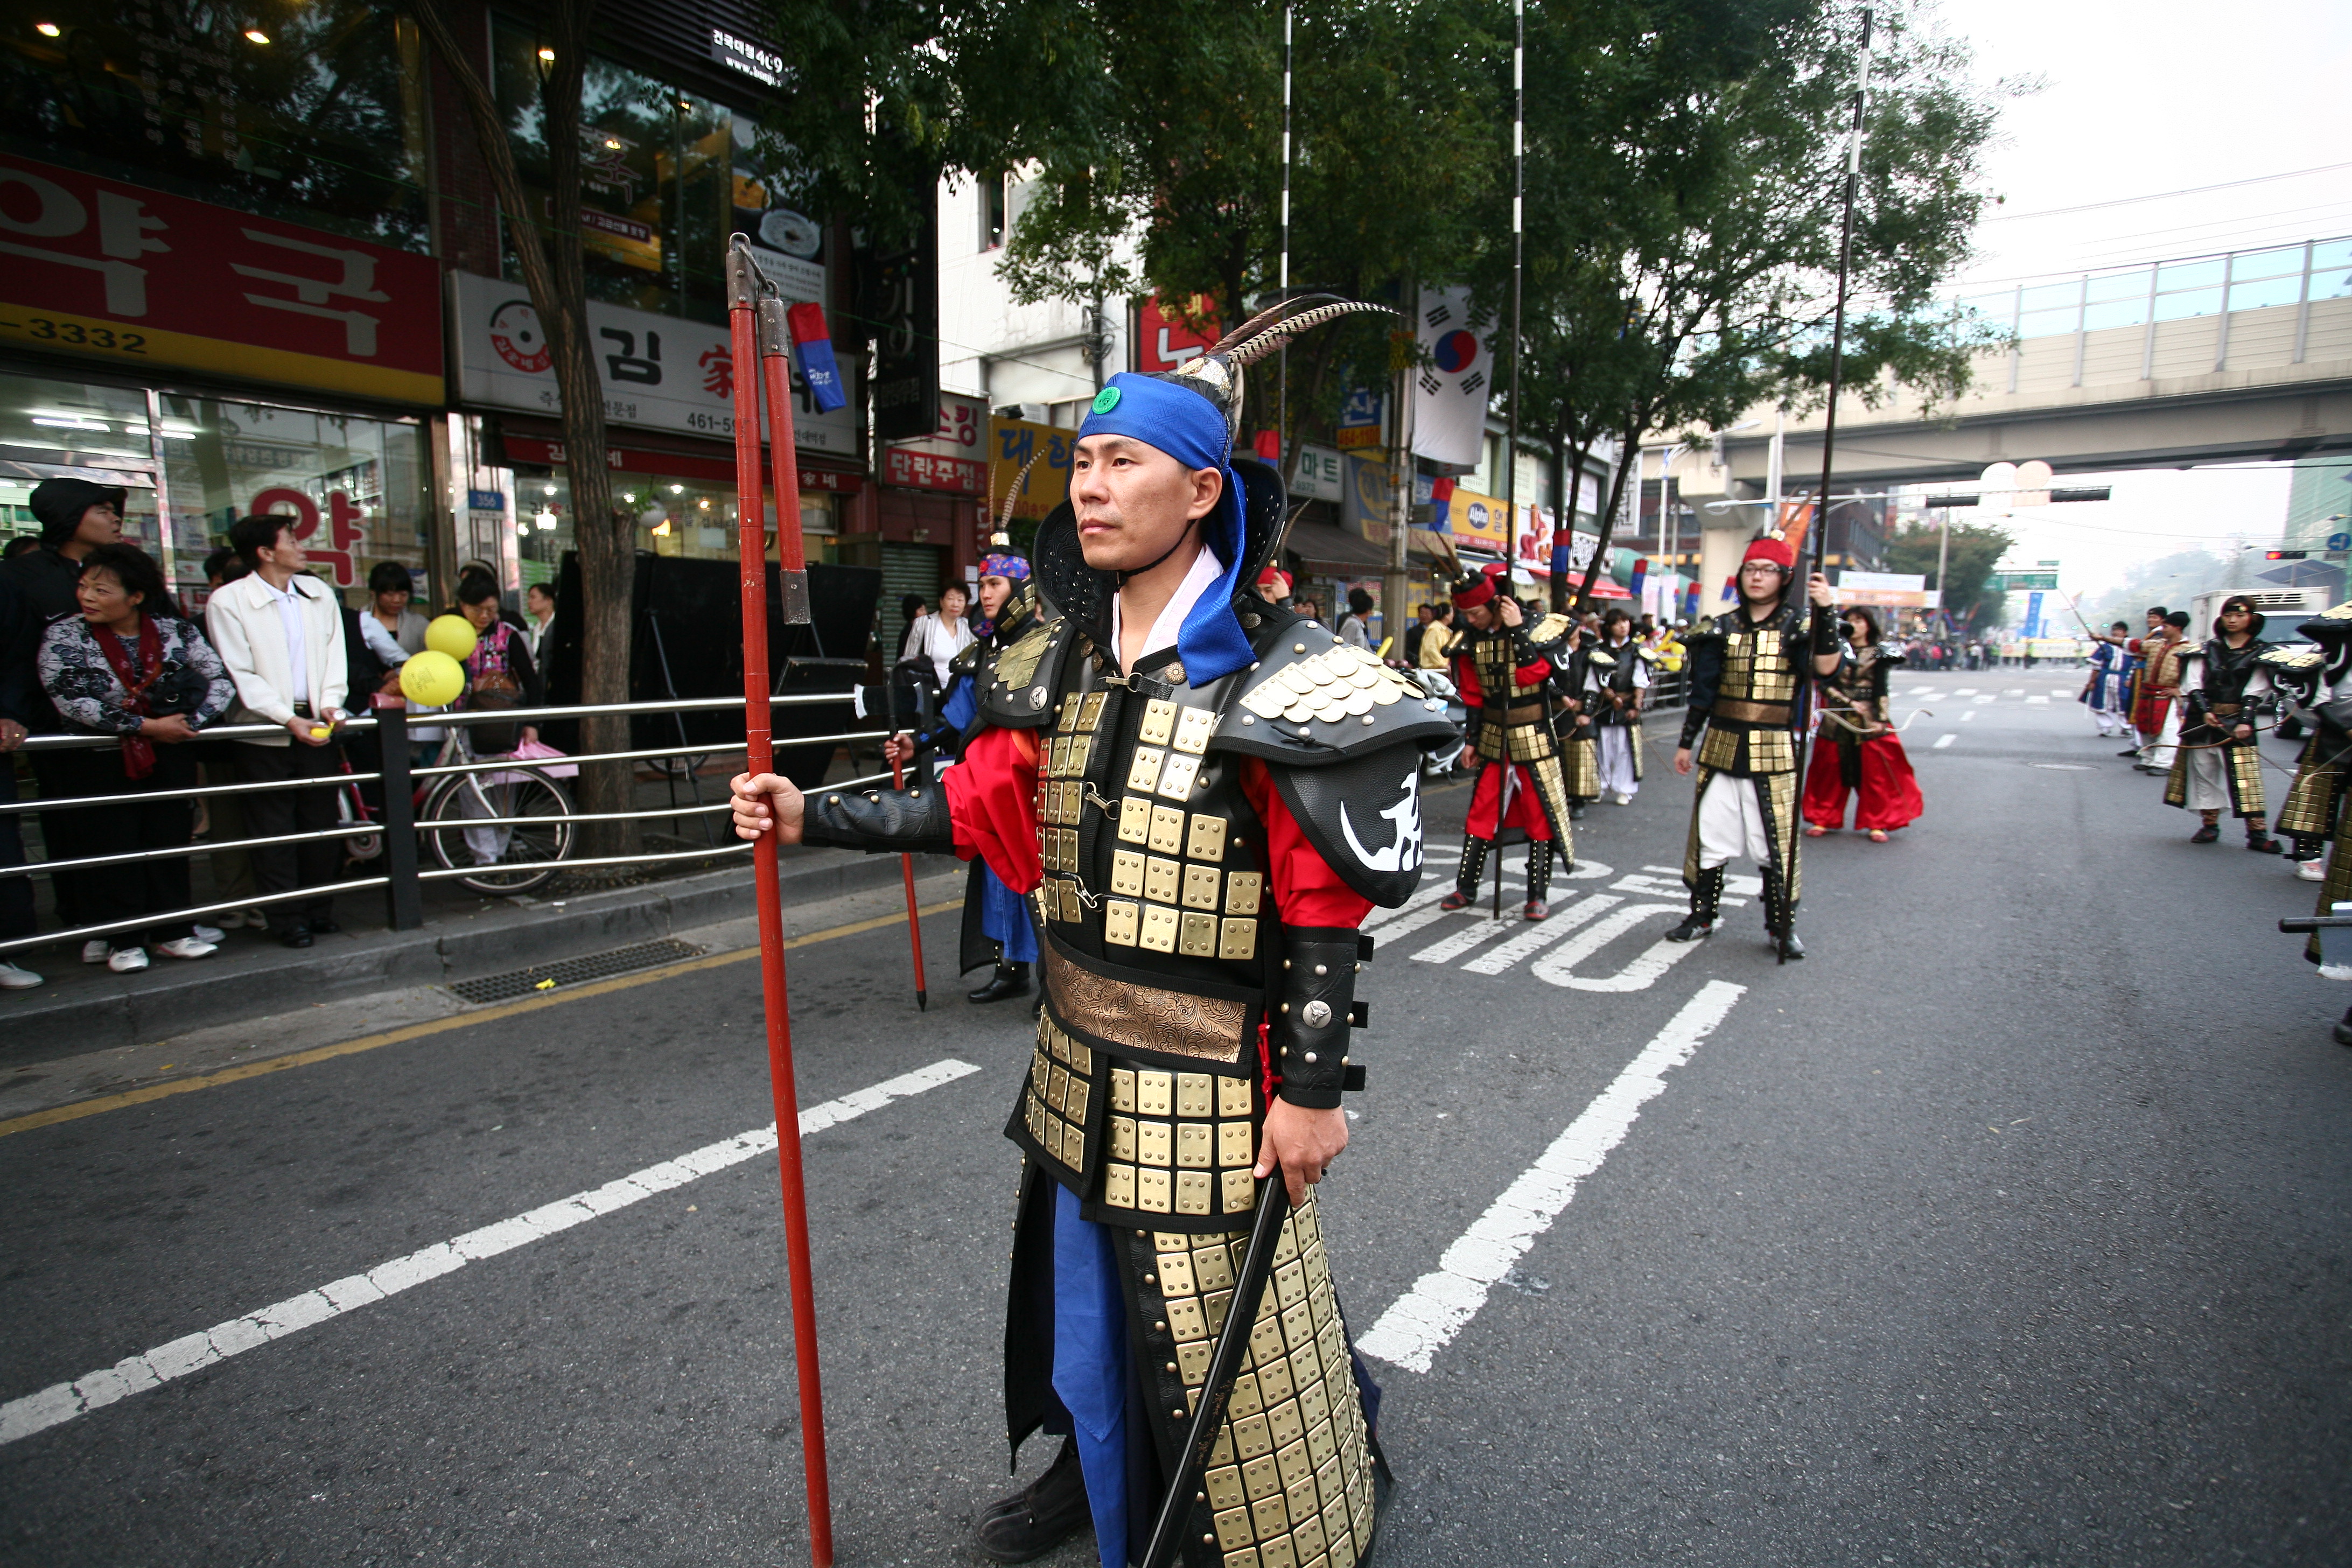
(1203,794)
(1857,749)
(2218,766)
(1504,667)
(1746,674)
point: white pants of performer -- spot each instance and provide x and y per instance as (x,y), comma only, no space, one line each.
(2111,720)
(2168,741)
(2209,786)
(1617,761)
(1731,823)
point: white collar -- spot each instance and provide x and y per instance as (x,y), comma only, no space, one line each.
(1205,570)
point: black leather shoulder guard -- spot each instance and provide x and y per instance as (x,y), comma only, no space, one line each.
(1312,700)
(1362,814)
(1016,686)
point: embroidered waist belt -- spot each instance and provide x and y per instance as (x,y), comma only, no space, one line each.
(1752,713)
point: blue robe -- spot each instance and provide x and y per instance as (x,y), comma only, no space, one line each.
(2110,688)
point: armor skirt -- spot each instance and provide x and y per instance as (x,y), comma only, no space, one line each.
(2227,766)
(1775,801)
(2314,798)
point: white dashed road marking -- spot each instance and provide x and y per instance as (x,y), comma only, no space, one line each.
(1425,1319)
(1942,741)
(135,1374)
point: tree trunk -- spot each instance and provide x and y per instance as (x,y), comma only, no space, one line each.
(555,277)
(1609,513)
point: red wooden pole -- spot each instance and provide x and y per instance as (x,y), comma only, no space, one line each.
(752,510)
(914,919)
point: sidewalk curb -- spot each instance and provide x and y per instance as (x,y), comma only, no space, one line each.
(159,1002)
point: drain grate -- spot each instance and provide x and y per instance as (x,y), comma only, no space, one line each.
(544,977)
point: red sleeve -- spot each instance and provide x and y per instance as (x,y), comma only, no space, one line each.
(1534,674)
(1307,891)
(992,797)
(1466,681)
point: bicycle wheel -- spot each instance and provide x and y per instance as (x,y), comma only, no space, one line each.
(516,858)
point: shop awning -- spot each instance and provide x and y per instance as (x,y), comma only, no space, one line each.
(1326,548)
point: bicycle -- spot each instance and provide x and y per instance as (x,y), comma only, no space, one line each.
(531,814)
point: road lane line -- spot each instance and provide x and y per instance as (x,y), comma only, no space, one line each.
(135,1374)
(1425,1319)
(58,1113)
(1535,939)
(1946,738)
(1640,972)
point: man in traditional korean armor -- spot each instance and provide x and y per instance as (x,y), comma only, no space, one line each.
(2320,682)
(1746,674)
(1205,793)
(1504,667)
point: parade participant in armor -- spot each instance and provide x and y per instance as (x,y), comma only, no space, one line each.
(1856,749)
(2219,764)
(2152,690)
(1205,795)
(1503,669)
(1747,673)
(996,925)
(2107,688)
(2321,684)
(1579,750)
(1614,696)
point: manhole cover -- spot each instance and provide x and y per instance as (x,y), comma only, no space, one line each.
(541,977)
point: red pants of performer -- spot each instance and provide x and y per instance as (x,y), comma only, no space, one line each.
(1887,796)
(2147,714)
(1526,811)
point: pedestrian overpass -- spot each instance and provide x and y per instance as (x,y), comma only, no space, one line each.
(2242,356)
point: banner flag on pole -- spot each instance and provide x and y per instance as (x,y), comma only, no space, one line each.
(813,357)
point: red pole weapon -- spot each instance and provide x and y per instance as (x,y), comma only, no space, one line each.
(914,921)
(758,349)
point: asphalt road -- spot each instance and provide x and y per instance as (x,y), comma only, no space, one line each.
(2009,1227)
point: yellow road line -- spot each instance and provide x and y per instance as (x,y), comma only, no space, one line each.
(58,1113)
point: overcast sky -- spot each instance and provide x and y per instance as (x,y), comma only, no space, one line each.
(2138,101)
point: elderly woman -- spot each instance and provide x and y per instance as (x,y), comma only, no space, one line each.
(940,637)
(130,665)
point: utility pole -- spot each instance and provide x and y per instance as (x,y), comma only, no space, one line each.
(1282,278)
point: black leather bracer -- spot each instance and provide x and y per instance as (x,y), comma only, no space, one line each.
(895,821)
(1694,721)
(1826,642)
(1319,1008)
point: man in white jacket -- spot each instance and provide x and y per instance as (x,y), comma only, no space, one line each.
(280,632)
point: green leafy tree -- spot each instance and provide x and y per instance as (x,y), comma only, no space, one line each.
(1975,549)
(1684,220)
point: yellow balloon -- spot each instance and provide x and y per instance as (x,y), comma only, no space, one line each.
(452,634)
(432,679)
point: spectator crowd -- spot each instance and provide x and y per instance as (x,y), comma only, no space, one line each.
(94,644)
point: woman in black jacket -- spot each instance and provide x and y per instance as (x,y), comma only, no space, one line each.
(130,665)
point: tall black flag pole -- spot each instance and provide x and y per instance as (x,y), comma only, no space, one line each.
(1820,524)
(1282,278)
(1518,258)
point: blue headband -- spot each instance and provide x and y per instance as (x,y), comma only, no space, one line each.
(1188,427)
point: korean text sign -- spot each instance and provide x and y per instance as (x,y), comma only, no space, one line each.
(1012,443)
(140,279)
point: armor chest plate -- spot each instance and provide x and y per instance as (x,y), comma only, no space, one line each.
(1152,854)
(1756,667)
(1491,655)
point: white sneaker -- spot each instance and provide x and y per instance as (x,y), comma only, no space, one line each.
(15,979)
(2311,870)
(209,933)
(1624,800)
(94,950)
(127,960)
(187,947)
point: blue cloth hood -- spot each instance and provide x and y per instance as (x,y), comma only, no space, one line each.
(1188,428)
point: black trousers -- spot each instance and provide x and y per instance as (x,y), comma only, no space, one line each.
(107,894)
(17,917)
(55,773)
(284,868)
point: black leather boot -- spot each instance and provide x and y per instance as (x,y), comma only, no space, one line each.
(1466,881)
(1038,1518)
(1706,902)
(1538,906)
(1010,980)
(1780,919)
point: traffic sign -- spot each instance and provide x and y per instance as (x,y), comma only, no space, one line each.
(2339,542)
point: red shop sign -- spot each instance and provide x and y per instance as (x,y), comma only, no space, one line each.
(139,278)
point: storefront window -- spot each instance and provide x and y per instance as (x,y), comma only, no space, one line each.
(310,112)
(692,519)
(99,433)
(357,487)
(658,168)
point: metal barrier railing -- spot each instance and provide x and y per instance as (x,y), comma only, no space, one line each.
(397,828)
